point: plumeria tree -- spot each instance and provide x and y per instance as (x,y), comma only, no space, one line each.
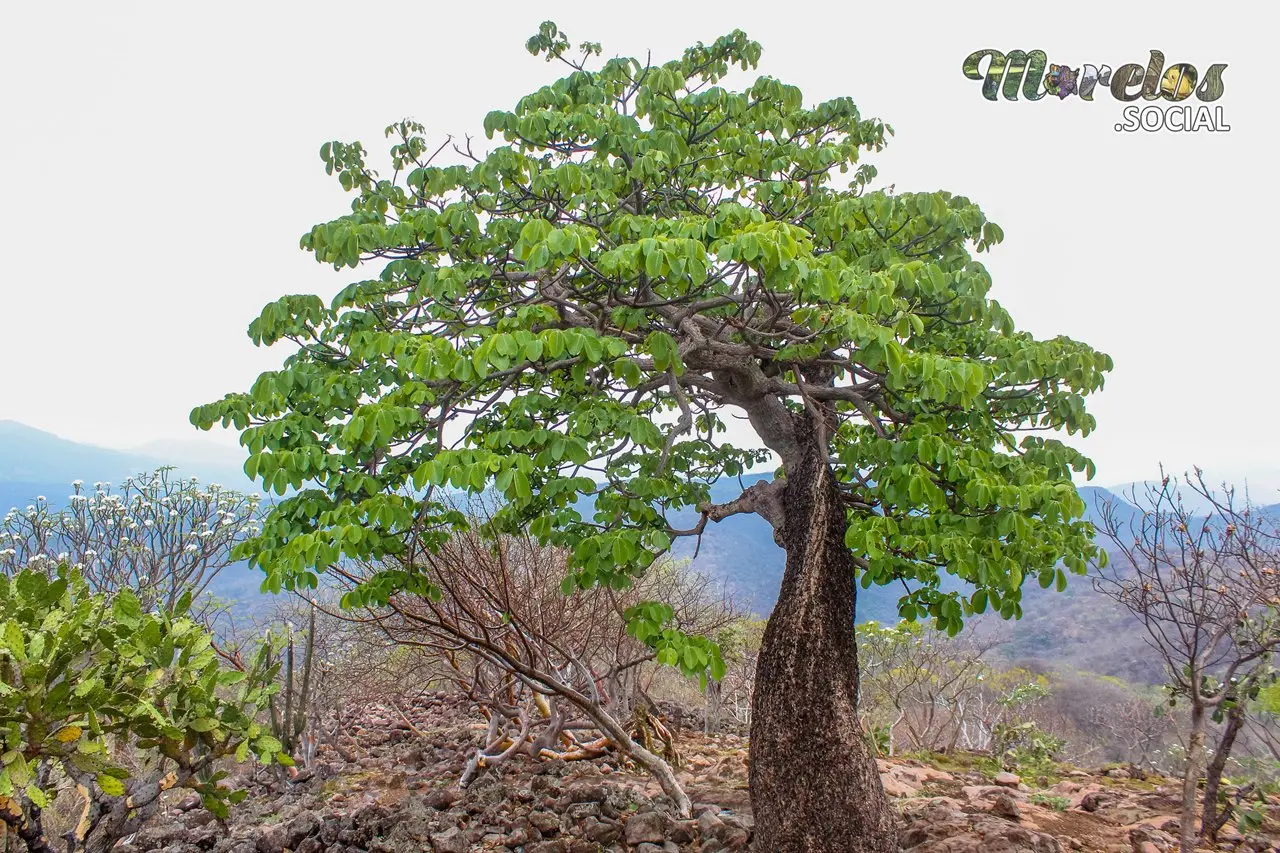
(573,317)
(158,534)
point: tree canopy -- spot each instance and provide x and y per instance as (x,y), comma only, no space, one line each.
(573,317)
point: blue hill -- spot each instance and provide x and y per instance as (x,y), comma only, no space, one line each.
(738,551)
(1075,629)
(35,464)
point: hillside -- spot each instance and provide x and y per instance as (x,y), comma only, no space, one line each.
(34,463)
(385,784)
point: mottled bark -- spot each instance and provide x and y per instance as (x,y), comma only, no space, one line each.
(814,785)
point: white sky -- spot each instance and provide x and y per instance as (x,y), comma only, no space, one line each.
(161,163)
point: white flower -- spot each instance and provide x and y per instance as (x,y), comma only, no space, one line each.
(40,499)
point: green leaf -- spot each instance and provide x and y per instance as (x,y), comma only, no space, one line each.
(37,797)
(267,745)
(109,785)
(126,609)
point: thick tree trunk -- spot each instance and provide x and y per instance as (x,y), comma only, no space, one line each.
(814,785)
(1191,780)
(1212,819)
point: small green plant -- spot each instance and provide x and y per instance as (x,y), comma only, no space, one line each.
(1057,803)
(1024,748)
(878,736)
(89,681)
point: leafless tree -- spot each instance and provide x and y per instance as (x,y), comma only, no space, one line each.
(731,696)
(554,676)
(1133,727)
(939,691)
(1205,589)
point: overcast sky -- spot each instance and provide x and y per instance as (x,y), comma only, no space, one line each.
(161,162)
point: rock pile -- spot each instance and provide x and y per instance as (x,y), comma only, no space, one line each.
(389,786)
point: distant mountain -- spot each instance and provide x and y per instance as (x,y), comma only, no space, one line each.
(739,551)
(36,463)
(1262,491)
(34,456)
(196,453)
(1077,629)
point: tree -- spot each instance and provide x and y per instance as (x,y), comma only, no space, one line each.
(739,643)
(1206,590)
(574,317)
(554,676)
(86,679)
(158,535)
(924,680)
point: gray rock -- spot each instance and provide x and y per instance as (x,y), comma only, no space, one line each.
(1006,806)
(556,846)
(545,822)
(300,827)
(601,831)
(709,824)
(645,826)
(450,841)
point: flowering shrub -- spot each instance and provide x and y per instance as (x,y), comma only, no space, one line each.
(158,535)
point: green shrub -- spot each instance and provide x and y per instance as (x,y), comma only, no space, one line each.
(91,686)
(1057,803)
(1026,749)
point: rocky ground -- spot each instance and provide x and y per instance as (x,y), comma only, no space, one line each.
(389,785)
